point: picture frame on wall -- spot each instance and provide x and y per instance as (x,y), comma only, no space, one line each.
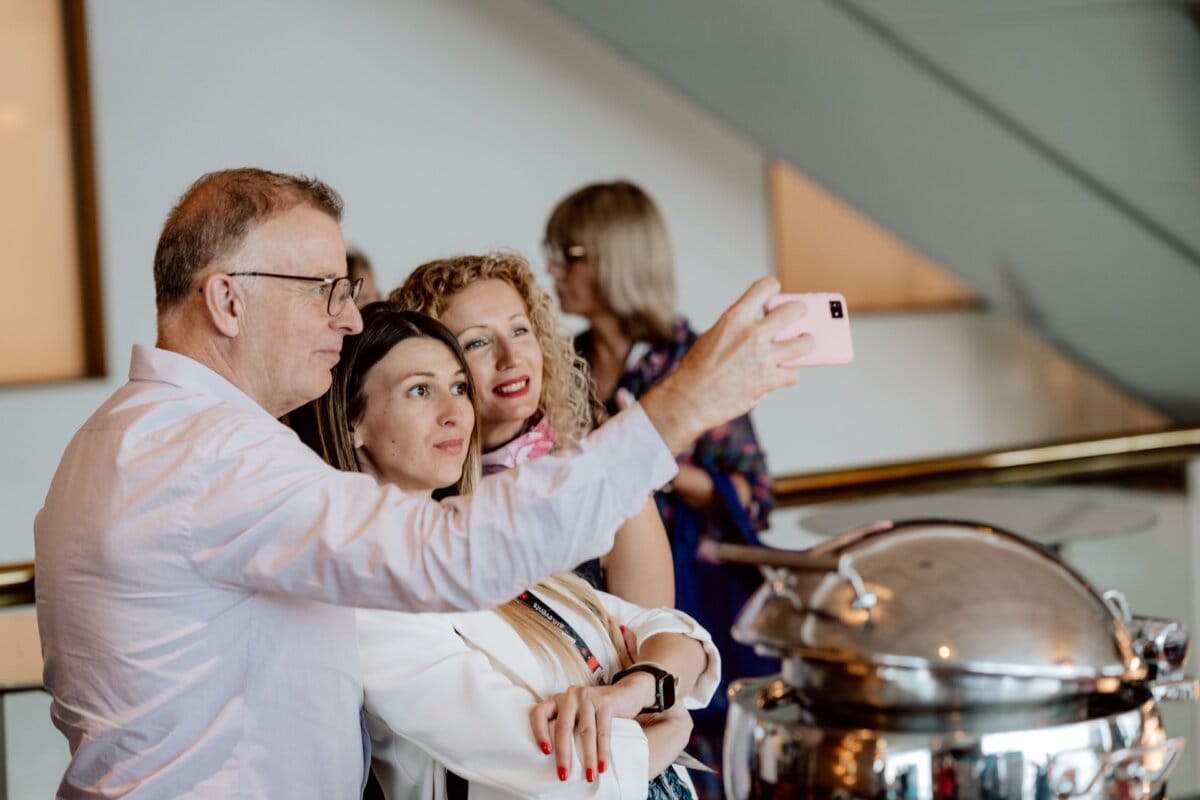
(52,326)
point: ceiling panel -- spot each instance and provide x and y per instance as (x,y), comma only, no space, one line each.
(1043,151)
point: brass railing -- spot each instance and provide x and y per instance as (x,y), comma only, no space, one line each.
(16,584)
(1039,462)
(1033,463)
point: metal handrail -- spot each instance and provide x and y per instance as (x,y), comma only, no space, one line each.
(16,584)
(1036,462)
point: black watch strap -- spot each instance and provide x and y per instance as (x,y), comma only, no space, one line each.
(664,685)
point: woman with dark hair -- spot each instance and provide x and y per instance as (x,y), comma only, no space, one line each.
(610,257)
(336,424)
(446,695)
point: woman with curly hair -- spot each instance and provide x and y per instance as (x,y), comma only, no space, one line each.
(534,393)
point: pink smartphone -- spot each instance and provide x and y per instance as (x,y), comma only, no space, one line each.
(827,321)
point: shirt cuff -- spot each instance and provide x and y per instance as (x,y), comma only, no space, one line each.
(671,620)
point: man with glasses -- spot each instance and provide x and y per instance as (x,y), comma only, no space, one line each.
(197,565)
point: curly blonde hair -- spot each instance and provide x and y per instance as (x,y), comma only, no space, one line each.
(566,386)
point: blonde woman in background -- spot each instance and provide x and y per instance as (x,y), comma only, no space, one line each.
(534,393)
(611,260)
(450,698)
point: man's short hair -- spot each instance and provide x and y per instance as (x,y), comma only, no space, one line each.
(214,215)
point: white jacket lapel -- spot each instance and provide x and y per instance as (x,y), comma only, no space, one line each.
(489,633)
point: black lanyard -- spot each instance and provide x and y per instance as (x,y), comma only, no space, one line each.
(457,787)
(550,615)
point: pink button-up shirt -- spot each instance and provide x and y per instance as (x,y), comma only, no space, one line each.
(195,564)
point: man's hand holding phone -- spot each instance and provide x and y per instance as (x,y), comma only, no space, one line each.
(825,321)
(728,369)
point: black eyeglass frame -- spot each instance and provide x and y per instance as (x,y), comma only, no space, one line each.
(332,283)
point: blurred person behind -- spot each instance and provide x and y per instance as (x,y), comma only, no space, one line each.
(611,260)
(358,267)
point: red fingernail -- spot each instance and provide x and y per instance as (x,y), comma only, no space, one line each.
(562,773)
(622,629)
(601,767)
(590,776)
(545,747)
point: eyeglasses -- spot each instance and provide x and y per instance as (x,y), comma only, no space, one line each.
(554,253)
(339,291)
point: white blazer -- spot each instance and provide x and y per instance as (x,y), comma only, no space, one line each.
(453,691)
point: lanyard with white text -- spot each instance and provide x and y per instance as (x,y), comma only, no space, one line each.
(550,615)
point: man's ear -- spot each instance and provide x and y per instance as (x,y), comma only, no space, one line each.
(222,299)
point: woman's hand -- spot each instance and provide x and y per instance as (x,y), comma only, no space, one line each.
(586,713)
(624,642)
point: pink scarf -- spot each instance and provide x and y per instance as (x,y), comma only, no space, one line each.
(533,443)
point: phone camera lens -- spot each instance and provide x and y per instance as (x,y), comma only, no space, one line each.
(835,309)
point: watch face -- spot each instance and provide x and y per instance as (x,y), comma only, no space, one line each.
(666,692)
(664,686)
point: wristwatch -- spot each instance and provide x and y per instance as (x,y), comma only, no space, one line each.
(664,685)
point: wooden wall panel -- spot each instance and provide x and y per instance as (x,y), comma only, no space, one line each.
(51,326)
(821,244)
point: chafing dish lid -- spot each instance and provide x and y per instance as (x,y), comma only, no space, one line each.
(940,595)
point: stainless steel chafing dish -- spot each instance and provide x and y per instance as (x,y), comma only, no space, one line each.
(936,658)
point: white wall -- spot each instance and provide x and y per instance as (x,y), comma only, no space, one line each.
(925,385)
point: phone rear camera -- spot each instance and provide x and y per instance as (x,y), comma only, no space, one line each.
(835,309)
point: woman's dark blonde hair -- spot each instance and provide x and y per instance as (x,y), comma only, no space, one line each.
(624,239)
(566,394)
(326,425)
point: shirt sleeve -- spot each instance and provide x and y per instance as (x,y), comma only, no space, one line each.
(269,515)
(423,683)
(648,622)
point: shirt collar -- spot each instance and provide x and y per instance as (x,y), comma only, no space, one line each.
(166,366)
